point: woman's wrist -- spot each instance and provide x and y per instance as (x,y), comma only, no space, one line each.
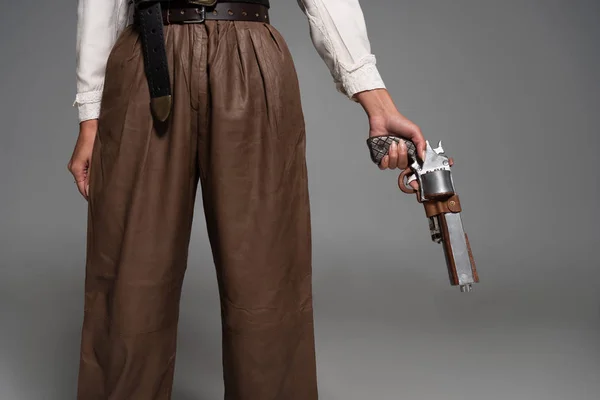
(376,102)
(88,127)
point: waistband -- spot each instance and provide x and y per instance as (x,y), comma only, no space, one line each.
(151,15)
(187,12)
(197,3)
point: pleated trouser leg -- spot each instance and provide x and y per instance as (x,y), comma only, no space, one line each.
(237,132)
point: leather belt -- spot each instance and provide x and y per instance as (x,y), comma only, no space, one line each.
(173,14)
(151,15)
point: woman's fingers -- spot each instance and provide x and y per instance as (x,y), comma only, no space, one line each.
(393,153)
(402,155)
(385,161)
(87,184)
(79,170)
(414,184)
(397,157)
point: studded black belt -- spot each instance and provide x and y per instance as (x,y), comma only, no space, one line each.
(151,15)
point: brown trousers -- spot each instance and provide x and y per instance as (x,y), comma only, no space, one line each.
(237,127)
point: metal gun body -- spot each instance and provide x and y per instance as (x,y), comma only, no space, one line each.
(442,205)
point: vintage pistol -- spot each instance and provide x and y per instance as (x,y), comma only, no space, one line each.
(442,205)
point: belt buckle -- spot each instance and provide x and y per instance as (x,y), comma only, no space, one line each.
(203,4)
(200,10)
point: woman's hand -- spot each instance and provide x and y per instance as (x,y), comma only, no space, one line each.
(79,165)
(395,124)
(385,119)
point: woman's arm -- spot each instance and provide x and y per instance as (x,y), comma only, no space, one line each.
(339,33)
(99,23)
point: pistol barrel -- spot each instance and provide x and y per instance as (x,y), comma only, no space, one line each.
(457,250)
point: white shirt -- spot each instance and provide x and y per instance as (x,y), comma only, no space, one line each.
(337,29)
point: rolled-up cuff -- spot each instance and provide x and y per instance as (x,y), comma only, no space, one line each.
(88,105)
(88,111)
(365,77)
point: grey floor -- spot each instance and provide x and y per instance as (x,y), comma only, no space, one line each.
(382,331)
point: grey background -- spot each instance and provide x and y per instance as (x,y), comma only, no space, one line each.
(512,90)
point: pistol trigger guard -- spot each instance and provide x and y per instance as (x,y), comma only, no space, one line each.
(404,179)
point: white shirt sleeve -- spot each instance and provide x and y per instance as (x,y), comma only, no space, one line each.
(99,23)
(337,29)
(339,34)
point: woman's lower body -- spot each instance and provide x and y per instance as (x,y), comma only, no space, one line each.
(237,128)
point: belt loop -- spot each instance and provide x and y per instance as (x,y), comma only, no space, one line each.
(168,15)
